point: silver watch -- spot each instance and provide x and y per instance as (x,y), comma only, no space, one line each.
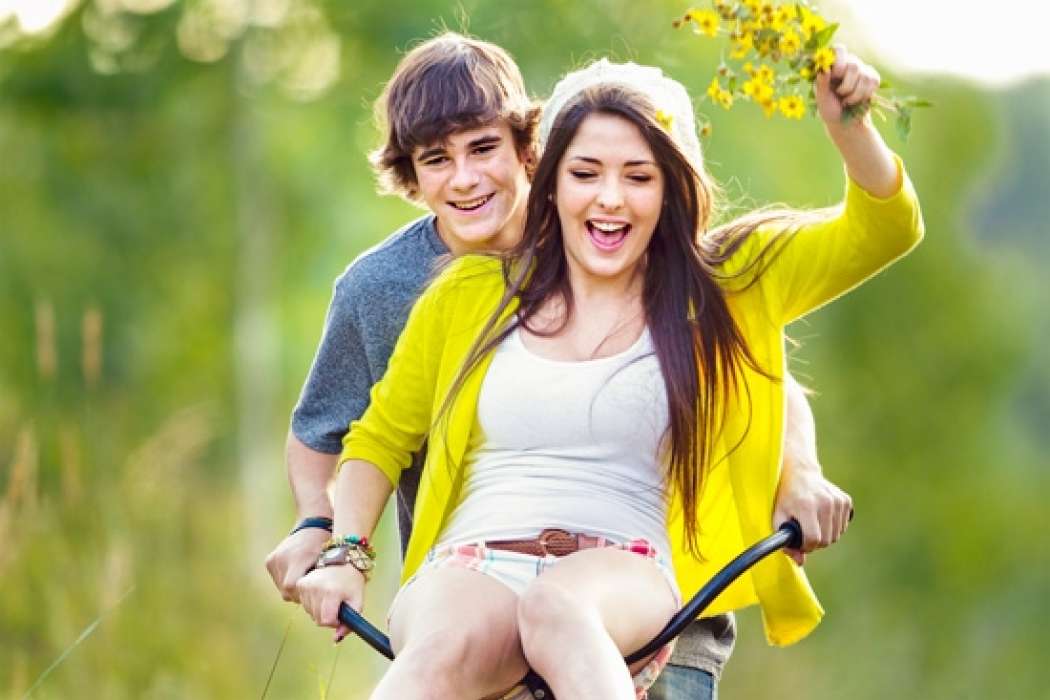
(343,554)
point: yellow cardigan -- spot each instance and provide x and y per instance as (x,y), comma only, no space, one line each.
(818,263)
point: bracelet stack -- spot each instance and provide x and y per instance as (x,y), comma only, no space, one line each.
(353,541)
(348,549)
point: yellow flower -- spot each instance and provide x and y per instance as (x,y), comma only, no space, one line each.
(753,6)
(766,14)
(666,119)
(765,74)
(823,59)
(805,73)
(705,130)
(706,21)
(749,69)
(740,46)
(792,107)
(769,107)
(784,14)
(748,26)
(790,43)
(757,90)
(713,89)
(725,98)
(811,22)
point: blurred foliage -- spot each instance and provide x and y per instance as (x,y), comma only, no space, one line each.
(181,181)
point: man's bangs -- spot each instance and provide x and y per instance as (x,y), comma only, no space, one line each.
(436,131)
(460,100)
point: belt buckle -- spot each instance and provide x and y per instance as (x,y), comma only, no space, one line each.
(557,539)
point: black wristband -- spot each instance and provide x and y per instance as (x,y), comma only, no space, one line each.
(319,522)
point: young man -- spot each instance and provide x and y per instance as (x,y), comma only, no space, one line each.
(460,140)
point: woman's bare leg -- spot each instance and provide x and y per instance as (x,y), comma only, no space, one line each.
(579,619)
(454,633)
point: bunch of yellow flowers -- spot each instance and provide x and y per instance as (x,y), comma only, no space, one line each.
(763,37)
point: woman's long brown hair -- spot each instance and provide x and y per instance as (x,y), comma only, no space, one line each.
(700,349)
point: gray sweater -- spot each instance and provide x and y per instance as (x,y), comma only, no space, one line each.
(369,308)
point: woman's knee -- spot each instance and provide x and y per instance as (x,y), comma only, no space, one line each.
(443,652)
(473,655)
(441,663)
(546,609)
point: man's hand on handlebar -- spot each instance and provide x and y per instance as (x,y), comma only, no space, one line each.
(293,558)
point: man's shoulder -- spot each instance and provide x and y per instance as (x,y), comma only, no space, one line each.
(405,258)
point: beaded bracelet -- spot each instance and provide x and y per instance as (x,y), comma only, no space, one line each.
(355,542)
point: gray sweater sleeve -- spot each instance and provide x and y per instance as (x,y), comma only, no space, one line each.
(336,390)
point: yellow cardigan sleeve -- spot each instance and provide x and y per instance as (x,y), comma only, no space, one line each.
(395,424)
(823,260)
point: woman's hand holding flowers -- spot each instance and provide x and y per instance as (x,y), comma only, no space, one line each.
(844,93)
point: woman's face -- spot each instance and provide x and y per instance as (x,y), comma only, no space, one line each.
(609,194)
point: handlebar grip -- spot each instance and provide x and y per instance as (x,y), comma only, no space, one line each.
(365,630)
(794,533)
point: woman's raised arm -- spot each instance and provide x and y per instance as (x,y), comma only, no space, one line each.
(869,161)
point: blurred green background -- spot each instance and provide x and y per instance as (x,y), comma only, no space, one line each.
(180,182)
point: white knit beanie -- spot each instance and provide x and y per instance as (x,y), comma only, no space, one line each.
(674,109)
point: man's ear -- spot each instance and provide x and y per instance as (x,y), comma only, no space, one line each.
(529,158)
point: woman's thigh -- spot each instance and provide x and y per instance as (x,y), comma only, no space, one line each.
(628,591)
(464,616)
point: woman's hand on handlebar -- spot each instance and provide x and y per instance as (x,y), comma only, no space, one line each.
(322,591)
(821,508)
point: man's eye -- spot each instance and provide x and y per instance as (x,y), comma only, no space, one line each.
(485,149)
(436,160)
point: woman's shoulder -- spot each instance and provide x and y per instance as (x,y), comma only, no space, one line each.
(474,268)
(472,277)
(741,249)
(474,271)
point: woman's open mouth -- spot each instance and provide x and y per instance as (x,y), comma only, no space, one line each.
(606,235)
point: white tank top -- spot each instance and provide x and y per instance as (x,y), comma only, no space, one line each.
(573,445)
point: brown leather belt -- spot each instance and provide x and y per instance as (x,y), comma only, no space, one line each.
(551,542)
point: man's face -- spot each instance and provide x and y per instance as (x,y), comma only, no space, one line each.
(476,184)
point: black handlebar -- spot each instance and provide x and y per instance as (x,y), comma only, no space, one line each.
(789,535)
(365,630)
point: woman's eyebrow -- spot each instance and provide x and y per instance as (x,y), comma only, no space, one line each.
(595,161)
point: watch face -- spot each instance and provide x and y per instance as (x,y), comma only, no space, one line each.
(335,555)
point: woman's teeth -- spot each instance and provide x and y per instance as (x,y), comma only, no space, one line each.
(607,235)
(471,204)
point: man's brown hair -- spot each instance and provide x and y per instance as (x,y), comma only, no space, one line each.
(444,85)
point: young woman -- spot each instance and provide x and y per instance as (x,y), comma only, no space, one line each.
(602,401)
